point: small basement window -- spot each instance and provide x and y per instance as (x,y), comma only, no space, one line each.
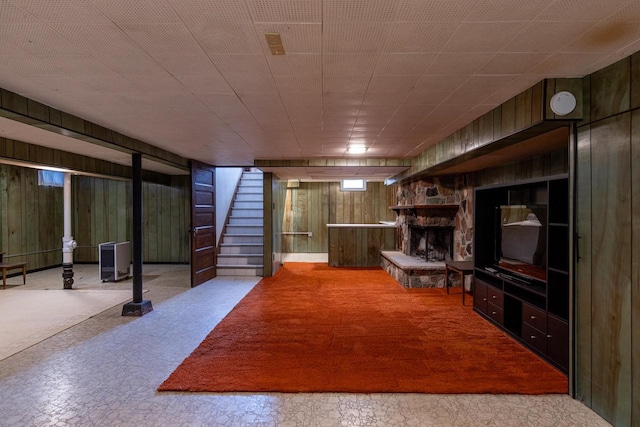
(50,178)
(353,185)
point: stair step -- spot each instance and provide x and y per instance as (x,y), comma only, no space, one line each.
(240,259)
(241,248)
(246,213)
(243,238)
(245,220)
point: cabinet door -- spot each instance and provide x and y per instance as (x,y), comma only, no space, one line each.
(558,342)
(495,313)
(535,338)
(480,296)
(495,297)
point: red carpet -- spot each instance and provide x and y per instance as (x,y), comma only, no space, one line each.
(314,328)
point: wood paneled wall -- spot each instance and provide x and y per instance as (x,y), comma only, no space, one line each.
(274,193)
(608,226)
(313,205)
(31,218)
(102,213)
(554,163)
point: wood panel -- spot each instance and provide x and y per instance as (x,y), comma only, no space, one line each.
(359,247)
(635,265)
(102,213)
(611,269)
(583,342)
(611,90)
(306,210)
(31,218)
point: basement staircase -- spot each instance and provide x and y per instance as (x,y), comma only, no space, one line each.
(241,249)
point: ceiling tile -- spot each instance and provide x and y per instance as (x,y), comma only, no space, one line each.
(59,10)
(163,39)
(285,10)
(357,10)
(295,64)
(185,64)
(432,10)
(246,65)
(201,83)
(343,64)
(207,10)
(305,98)
(439,83)
(132,11)
(482,36)
(403,64)
(605,37)
(505,10)
(353,37)
(26,65)
(299,82)
(426,97)
(392,84)
(384,98)
(585,10)
(348,83)
(12,14)
(512,63)
(77,65)
(101,40)
(417,37)
(557,65)
(546,36)
(477,88)
(226,37)
(458,63)
(38,39)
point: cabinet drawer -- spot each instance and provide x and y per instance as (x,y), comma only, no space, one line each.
(480,296)
(534,338)
(495,313)
(534,317)
(495,296)
(558,342)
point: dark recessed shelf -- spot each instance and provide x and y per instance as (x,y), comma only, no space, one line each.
(558,224)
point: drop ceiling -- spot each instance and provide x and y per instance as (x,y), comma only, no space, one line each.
(197,78)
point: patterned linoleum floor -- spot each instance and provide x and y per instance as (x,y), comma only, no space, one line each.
(105,371)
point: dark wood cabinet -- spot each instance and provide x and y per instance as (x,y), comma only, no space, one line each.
(531,302)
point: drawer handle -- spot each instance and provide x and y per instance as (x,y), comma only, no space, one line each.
(533,337)
(549,336)
(484,299)
(493,296)
(494,313)
(533,317)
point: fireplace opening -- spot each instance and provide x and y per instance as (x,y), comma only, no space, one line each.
(433,244)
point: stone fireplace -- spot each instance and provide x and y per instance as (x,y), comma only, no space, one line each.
(435,222)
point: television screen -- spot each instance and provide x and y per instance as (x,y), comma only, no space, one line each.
(523,240)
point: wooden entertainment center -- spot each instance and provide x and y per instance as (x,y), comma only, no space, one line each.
(529,300)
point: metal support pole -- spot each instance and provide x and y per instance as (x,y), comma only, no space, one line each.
(68,244)
(138,306)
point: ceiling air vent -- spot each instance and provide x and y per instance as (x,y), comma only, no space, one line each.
(275,43)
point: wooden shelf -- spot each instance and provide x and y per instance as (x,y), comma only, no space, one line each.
(414,208)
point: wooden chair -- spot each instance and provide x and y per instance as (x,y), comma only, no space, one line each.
(6,266)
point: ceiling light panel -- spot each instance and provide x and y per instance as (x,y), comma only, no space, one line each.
(431,11)
(60,10)
(417,37)
(226,37)
(296,38)
(353,37)
(140,11)
(358,10)
(207,10)
(285,10)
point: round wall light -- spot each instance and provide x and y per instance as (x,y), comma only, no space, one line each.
(563,103)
